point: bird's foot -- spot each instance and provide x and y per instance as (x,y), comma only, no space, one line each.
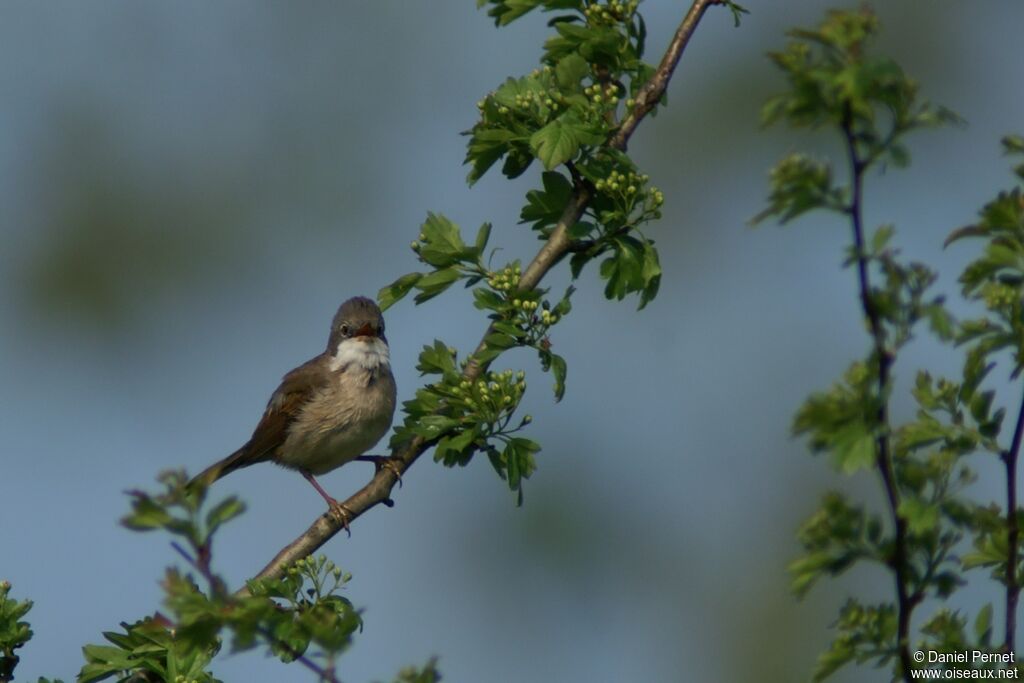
(341,514)
(387,462)
(336,509)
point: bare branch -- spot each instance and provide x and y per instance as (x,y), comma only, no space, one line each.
(883,452)
(1010,458)
(378,490)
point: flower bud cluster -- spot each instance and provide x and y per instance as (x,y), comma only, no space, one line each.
(597,94)
(630,187)
(998,295)
(506,279)
(536,99)
(490,398)
(612,12)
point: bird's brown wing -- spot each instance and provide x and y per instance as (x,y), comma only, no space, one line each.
(283,408)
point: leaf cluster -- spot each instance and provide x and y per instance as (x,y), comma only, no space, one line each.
(14,632)
(463,417)
(563,114)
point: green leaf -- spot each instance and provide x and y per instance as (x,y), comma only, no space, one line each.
(442,244)
(555,143)
(506,11)
(856,452)
(436,359)
(456,449)
(922,517)
(486,146)
(545,207)
(983,625)
(650,273)
(570,70)
(800,184)
(432,284)
(482,236)
(146,513)
(487,299)
(223,512)
(397,290)
(558,369)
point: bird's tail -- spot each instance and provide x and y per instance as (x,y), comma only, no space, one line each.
(235,461)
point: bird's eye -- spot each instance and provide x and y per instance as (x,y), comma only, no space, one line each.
(344,330)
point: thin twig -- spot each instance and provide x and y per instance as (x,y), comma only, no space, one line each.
(1012,533)
(554,249)
(883,456)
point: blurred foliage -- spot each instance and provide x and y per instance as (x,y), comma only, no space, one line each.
(14,632)
(299,617)
(835,82)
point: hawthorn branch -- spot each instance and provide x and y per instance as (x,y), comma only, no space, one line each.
(905,601)
(558,244)
(1010,458)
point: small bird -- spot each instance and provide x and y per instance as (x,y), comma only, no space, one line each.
(329,410)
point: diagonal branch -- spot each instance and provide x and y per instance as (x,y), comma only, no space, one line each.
(378,490)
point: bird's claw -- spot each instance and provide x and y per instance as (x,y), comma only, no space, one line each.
(387,462)
(341,514)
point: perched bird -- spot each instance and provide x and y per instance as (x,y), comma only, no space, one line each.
(329,410)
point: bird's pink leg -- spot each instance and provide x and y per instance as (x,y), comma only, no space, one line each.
(338,510)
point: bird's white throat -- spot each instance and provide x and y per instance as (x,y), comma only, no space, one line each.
(369,354)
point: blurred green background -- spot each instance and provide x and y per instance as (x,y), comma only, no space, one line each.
(189,189)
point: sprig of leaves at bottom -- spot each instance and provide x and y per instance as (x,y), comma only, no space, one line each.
(299,617)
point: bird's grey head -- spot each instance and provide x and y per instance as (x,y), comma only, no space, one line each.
(357,337)
(358,318)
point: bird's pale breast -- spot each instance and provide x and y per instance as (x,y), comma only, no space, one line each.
(341,421)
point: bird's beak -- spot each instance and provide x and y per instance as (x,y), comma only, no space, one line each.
(366,331)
